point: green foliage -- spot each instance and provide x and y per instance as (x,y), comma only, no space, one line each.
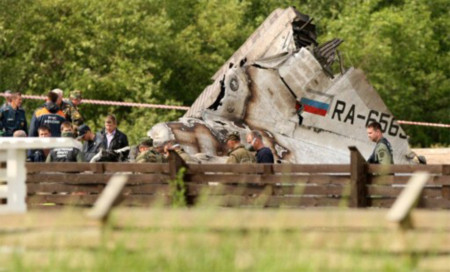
(165,52)
(399,47)
(178,189)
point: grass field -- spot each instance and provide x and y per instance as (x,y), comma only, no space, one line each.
(223,240)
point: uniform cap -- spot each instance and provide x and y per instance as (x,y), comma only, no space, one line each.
(233,136)
(147,141)
(76,94)
(82,130)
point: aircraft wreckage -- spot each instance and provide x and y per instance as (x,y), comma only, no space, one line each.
(280,82)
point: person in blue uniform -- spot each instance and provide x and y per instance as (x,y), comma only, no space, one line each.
(49,115)
(12,116)
(263,153)
(40,155)
(65,154)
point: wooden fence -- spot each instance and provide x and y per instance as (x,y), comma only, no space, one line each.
(246,185)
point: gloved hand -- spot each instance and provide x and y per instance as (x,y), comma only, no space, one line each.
(123,149)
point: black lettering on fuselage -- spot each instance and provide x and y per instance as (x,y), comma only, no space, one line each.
(338,109)
(350,115)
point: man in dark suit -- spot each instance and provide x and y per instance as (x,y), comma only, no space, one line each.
(114,140)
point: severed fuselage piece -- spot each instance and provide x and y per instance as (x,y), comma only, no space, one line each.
(280,82)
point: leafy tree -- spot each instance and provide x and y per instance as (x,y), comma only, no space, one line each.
(396,45)
(165,51)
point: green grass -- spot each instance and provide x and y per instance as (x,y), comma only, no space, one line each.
(171,244)
(181,251)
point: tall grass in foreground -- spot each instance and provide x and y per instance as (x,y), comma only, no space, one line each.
(215,239)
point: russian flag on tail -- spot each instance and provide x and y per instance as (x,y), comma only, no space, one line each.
(314,106)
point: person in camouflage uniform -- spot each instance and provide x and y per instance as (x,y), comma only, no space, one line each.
(70,109)
(238,153)
(172,145)
(148,154)
(382,154)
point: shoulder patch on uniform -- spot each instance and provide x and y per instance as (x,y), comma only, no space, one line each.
(41,111)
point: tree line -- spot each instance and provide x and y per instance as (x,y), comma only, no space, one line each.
(165,52)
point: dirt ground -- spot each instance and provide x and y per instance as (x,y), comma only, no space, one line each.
(434,155)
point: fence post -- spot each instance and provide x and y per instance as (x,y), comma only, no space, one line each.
(358,179)
(446,187)
(400,212)
(175,164)
(109,197)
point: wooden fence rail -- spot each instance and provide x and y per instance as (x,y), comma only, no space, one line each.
(357,184)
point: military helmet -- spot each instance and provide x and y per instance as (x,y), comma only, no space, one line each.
(147,141)
(75,94)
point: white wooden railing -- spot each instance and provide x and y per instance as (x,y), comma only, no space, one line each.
(12,178)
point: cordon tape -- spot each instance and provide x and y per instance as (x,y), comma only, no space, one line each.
(184,108)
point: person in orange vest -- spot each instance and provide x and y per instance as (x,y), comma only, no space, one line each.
(49,115)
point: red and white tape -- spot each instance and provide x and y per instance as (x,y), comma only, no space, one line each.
(169,107)
(114,103)
(402,122)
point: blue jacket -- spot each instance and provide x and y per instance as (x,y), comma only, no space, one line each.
(49,115)
(12,120)
(36,155)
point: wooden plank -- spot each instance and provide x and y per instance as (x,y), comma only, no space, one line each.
(409,168)
(72,200)
(271,201)
(309,190)
(358,180)
(110,194)
(381,202)
(3,157)
(435,203)
(33,188)
(143,188)
(357,244)
(37,167)
(291,190)
(348,220)
(427,203)
(446,192)
(407,200)
(389,191)
(223,189)
(137,167)
(312,168)
(446,169)
(269,179)
(94,178)
(146,201)
(224,168)
(224,178)
(389,179)
(89,200)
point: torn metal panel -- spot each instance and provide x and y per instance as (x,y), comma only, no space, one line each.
(276,35)
(281,83)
